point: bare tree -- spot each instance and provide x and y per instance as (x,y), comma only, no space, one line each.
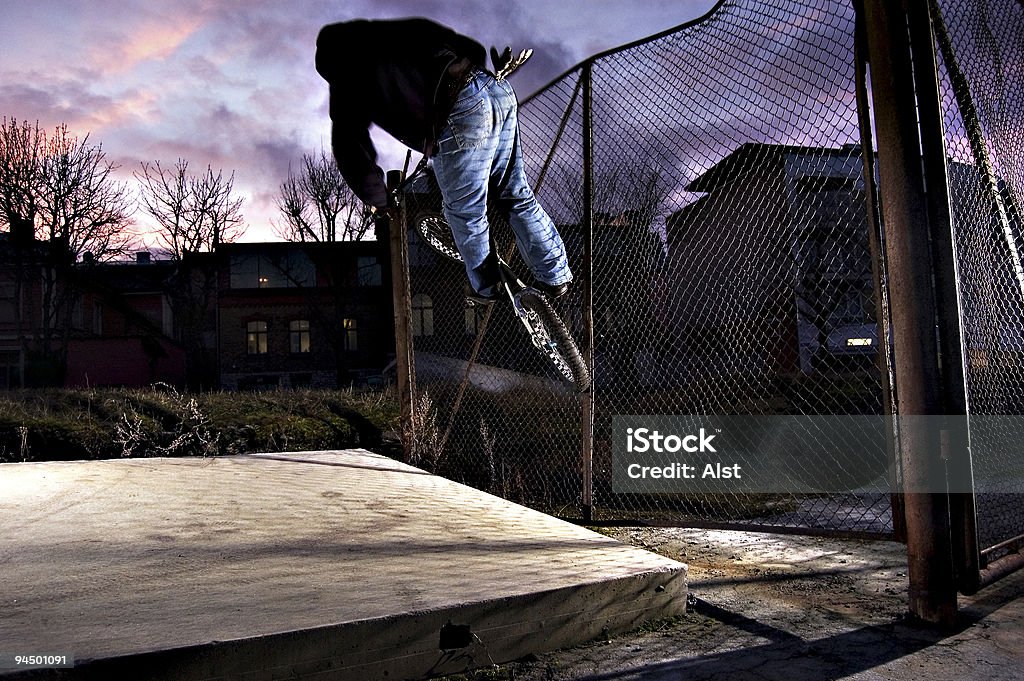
(318,205)
(194,213)
(61,189)
(57,190)
(81,206)
(20,151)
(632,190)
(21,148)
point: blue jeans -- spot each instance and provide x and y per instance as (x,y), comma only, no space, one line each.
(478,155)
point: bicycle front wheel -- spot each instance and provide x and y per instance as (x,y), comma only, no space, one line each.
(550,336)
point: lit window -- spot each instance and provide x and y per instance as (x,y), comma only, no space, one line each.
(422,315)
(299,333)
(256,338)
(272,270)
(350,334)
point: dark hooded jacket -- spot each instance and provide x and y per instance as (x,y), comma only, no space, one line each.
(391,73)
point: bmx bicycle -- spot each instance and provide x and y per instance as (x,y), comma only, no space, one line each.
(545,328)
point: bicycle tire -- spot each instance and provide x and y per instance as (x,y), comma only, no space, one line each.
(560,348)
(435,232)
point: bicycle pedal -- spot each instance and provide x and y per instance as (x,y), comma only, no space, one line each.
(475,301)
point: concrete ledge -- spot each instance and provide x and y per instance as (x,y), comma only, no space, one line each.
(328,565)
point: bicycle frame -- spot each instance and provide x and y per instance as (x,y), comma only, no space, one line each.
(546,330)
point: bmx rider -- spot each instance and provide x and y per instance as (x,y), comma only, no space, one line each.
(427,86)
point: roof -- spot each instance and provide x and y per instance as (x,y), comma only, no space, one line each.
(754,155)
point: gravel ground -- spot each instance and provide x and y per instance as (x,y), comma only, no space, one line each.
(793,608)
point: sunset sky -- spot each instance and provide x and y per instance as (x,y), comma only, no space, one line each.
(231,82)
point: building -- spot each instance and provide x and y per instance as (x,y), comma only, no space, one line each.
(246,316)
(303,314)
(82,323)
(769,269)
(123,326)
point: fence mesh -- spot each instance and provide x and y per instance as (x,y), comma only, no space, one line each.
(981,49)
(731,268)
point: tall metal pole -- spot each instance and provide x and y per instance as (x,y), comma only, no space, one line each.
(919,380)
(401,297)
(874,225)
(587,279)
(923,19)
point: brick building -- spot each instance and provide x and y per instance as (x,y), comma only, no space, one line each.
(84,323)
(247,316)
(303,314)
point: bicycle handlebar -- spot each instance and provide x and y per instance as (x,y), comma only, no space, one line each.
(401,186)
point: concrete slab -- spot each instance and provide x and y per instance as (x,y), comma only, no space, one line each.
(791,608)
(329,565)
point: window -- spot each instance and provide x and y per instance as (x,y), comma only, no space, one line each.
(422,315)
(245,271)
(97,319)
(256,338)
(77,314)
(272,270)
(368,270)
(350,334)
(298,331)
(420,254)
(8,303)
(10,370)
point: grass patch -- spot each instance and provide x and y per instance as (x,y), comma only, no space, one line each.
(103,423)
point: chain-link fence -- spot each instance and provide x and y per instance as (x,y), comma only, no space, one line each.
(980,44)
(709,184)
(490,412)
(730,266)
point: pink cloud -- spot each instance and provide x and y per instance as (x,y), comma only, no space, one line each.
(158,38)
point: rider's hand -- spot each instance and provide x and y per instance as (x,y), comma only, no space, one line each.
(505,64)
(500,61)
(384,213)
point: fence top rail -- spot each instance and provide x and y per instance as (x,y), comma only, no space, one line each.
(628,46)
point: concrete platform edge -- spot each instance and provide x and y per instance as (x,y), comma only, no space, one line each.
(406,646)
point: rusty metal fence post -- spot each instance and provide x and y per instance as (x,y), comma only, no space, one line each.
(912,256)
(963,532)
(401,298)
(587,276)
(876,249)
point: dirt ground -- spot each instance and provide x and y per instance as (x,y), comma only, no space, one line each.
(793,608)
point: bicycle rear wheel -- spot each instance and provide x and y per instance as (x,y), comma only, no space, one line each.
(435,232)
(549,335)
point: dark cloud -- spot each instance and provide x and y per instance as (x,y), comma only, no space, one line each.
(21,100)
(231,84)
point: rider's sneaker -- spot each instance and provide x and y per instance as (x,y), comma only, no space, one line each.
(552,291)
(477,298)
